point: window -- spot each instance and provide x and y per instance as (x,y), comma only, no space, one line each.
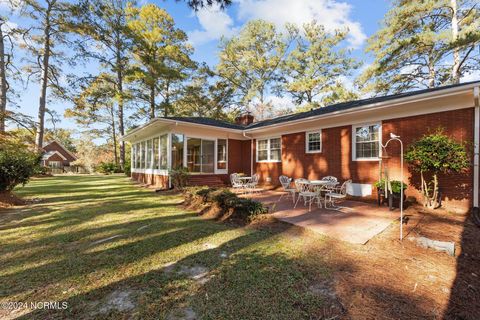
(142,155)
(163,151)
(177,150)
(137,156)
(222,154)
(149,155)
(55,164)
(366,142)
(313,141)
(269,150)
(156,155)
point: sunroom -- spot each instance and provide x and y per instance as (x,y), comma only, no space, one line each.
(166,144)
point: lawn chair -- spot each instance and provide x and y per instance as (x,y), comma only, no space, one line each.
(236,183)
(288,190)
(336,194)
(309,194)
(251,186)
(333,180)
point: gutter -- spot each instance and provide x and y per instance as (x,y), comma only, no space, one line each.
(476,137)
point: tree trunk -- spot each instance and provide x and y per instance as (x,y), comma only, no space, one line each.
(3,83)
(456,50)
(114,136)
(152,102)
(431,73)
(121,128)
(166,103)
(44,81)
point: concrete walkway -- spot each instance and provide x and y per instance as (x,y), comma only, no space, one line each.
(357,223)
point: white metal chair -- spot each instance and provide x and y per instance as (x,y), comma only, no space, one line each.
(309,194)
(236,183)
(286,185)
(251,185)
(333,180)
(337,194)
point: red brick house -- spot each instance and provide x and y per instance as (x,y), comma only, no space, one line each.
(56,156)
(343,140)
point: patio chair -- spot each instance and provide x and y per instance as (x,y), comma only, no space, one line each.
(309,194)
(251,186)
(338,194)
(288,190)
(330,179)
(236,183)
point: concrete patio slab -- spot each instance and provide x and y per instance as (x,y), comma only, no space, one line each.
(357,222)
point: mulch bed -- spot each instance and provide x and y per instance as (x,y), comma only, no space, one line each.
(8,199)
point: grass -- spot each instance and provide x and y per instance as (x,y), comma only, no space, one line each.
(113,250)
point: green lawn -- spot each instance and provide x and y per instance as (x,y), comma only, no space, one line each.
(114,250)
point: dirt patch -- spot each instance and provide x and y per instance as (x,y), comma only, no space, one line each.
(118,300)
(186,313)
(8,199)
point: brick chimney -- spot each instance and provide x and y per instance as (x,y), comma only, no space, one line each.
(244,118)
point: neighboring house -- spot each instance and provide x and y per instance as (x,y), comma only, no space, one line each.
(56,156)
(342,140)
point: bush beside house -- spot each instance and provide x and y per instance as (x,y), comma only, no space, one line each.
(223,204)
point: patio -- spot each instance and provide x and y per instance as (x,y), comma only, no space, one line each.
(357,223)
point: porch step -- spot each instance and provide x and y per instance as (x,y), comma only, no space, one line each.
(210,181)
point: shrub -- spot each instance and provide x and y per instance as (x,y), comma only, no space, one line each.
(108,168)
(433,154)
(127,168)
(17,164)
(179,177)
(396,186)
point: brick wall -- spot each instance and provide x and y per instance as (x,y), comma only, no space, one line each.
(156,181)
(336,156)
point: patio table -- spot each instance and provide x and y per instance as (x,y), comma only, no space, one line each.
(244,179)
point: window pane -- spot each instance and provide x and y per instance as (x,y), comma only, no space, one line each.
(163,151)
(142,154)
(262,155)
(194,156)
(149,154)
(262,144)
(156,158)
(221,154)
(275,143)
(275,154)
(177,150)
(314,141)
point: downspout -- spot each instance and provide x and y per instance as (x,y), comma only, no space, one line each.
(251,152)
(476,133)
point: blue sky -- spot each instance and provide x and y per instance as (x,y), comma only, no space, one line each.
(207,26)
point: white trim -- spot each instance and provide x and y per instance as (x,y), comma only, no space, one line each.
(268,150)
(62,146)
(55,152)
(354,141)
(307,134)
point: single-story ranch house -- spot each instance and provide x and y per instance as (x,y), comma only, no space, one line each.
(342,140)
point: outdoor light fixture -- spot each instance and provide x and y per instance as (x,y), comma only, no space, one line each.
(393,137)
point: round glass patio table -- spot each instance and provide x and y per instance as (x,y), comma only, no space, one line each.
(322,184)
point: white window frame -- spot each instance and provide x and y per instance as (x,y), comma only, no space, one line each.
(307,135)
(354,141)
(269,157)
(217,170)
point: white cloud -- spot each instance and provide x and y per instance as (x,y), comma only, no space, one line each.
(215,24)
(330,13)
